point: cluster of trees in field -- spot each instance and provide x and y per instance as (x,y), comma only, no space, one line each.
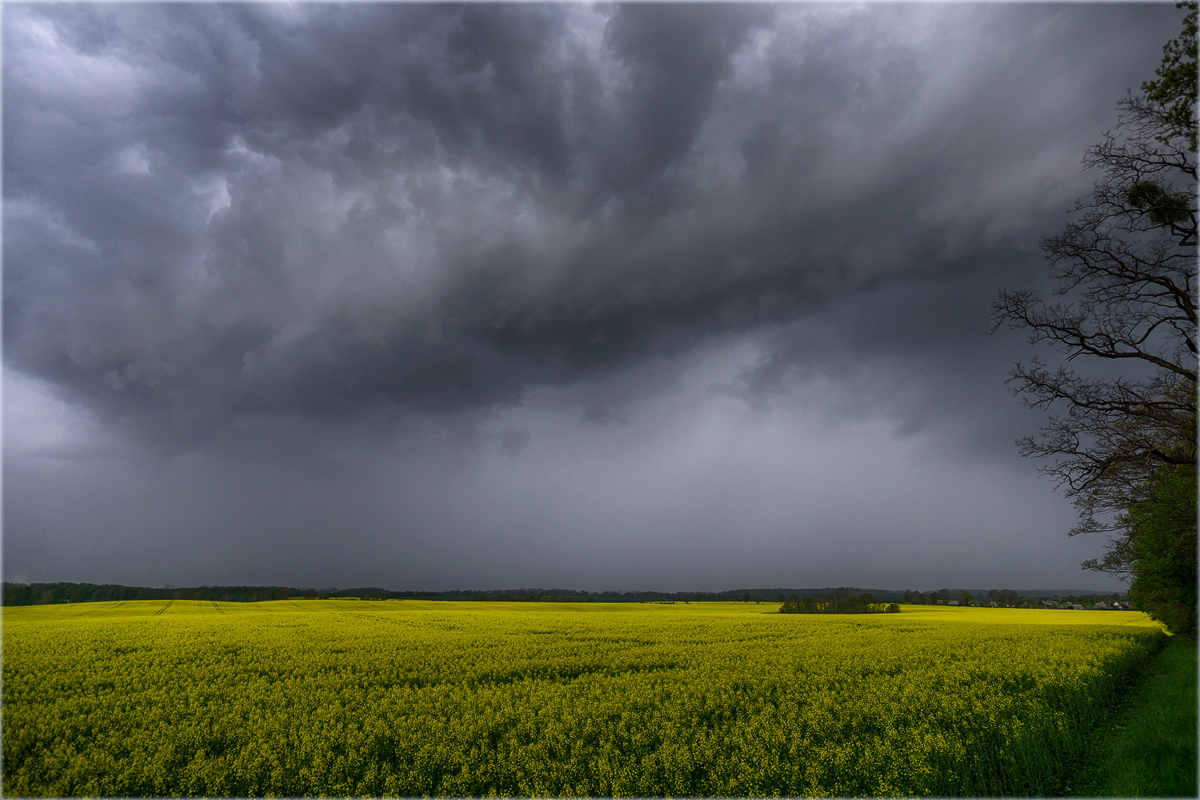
(865,603)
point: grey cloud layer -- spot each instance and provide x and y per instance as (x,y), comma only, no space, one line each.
(215,210)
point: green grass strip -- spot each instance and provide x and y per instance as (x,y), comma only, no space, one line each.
(1148,746)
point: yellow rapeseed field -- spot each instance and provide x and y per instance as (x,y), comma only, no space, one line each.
(410,698)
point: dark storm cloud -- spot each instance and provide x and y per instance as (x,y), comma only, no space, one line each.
(226,209)
(677,296)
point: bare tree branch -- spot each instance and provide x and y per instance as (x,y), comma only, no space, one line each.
(1126,266)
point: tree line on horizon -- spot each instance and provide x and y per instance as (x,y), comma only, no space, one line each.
(32,594)
(28,594)
(1007,598)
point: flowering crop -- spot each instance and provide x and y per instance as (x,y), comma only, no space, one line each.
(411,698)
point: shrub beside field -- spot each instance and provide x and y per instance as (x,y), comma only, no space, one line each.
(857,604)
(347,698)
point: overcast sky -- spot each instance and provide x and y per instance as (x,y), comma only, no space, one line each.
(680,297)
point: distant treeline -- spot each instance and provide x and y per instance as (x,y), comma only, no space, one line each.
(526,595)
(26,594)
(1007,598)
(30,594)
(865,603)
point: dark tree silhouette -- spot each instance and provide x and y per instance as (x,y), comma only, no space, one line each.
(1126,266)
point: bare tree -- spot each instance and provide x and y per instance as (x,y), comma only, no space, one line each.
(1126,266)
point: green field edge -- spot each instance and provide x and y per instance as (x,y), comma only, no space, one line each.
(1145,746)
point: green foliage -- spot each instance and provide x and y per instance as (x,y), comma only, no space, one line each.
(414,698)
(1164,208)
(1175,89)
(865,603)
(1162,540)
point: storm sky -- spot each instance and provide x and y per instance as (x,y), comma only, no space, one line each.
(428,296)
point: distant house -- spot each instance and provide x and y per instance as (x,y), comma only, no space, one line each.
(953,602)
(993,604)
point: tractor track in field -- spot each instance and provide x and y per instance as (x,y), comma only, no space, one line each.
(164,608)
(92,606)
